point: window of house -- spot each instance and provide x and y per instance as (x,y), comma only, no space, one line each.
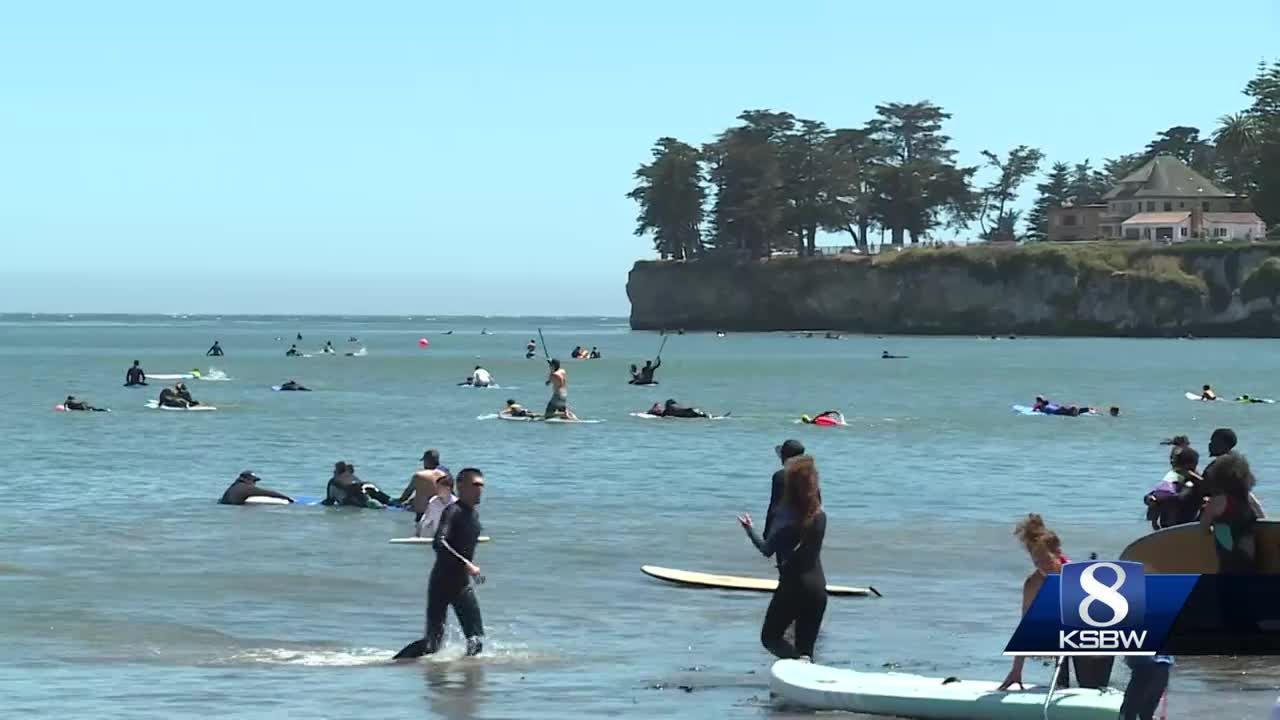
(1182,205)
(1131,233)
(1205,206)
(1108,231)
(1220,232)
(1068,220)
(1151,206)
(1168,205)
(1182,231)
(1146,233)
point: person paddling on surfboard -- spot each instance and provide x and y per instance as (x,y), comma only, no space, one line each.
(1207,393)
(672,409)
(1045,549)
(176,397)
(293,386)
(645,375)
(558,405)
(515,409)
(450,583)
(801,596)
(134,376)
(827,417)
(246,486)
(71,403)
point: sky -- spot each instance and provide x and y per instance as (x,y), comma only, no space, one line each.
(405,157)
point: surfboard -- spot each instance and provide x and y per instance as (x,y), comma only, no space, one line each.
(564,421)
(264,500)
(1189,549)
(422,540)
(1025,410)
(172,376)
(1197,398)
(733,582)
(155,405)
(647,416)
(512,418)
(818,687)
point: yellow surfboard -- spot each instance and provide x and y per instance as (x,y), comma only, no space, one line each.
(732,582)
(1189,549)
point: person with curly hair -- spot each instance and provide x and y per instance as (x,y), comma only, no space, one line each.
(796,539)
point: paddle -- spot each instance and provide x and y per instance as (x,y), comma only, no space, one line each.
(543,342)
(662,346)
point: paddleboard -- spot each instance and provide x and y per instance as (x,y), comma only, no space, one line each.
(1197,398)
(511,418)
(155,405)
(422,540)
(1188,549)
(1025,410)
(818,687)
(172,376)
(264,500)
(564,421)
(732,582)
(640,384)
(647,416)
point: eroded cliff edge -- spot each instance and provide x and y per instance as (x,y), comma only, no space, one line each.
(1092,289)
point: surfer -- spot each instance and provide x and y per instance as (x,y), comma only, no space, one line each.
(422,486)
(1247,399)
(345,488)
(645,375)
(515,409)
(442,498)
(292,385)
(530,350)
(832,416)
(134,376)
(246,486)
(480,377)
(1207,393)
(1148,680)
(1049,408)
(215,351)
(785,451)
(886,356)
(1045,549)
(71,403)
(594,354)
(558,405)
(1177,498)
(176,397)
(450,581)
(292,351)
(673,409)
(801,596)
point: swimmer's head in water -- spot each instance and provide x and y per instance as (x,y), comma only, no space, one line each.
(248,476)
(806,419)
(470,485)
(431,459)
(1115,411)
(1206,388)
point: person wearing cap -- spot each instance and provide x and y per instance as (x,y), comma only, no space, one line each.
(422,486)
(246,486)
(786,451)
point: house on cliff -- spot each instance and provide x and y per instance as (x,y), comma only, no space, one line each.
(1161,200)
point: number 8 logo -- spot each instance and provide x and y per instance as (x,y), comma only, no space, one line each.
(1096,591)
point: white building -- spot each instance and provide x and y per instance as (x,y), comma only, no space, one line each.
(1178,226)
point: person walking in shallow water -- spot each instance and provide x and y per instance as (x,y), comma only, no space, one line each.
(796,540)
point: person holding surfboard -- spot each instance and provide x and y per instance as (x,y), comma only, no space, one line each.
(801,596)
(450,582)
(1221,444)
(244,487)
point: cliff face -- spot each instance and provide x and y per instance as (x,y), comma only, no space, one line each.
(1094,289)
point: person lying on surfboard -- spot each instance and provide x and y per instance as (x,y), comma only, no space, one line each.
(829,415)
(1050,408)
(71,403)
(672,409)
(515,409)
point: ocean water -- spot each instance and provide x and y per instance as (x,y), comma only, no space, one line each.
(128,593)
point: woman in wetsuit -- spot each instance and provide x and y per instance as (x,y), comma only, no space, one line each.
(796,540)
(1045,549)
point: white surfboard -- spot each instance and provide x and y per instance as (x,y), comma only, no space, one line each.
(155,405)
(932,698)
(579,421)
(733,582)
(422,540)
(264,500)
(647,416)
(172,376)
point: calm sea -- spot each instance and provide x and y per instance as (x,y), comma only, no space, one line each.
(128,593)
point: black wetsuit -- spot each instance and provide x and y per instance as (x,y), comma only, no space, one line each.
(293,386)
(775,498)
(135,377)
(646,374)
(1148,680)
(242,490)
(679,411)
(347,489)
(215,351)
(82,405)
(1178,509)
(450,584)
(801,597)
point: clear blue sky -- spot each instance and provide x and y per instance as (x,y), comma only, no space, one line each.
(414,157)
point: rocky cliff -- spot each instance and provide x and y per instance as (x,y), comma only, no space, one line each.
(1087,289)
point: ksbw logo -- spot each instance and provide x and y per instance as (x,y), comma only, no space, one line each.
(1105,605)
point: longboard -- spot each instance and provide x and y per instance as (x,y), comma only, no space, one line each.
(1188,549)
(422,540)
(733,582)
(818,687)
(155,405)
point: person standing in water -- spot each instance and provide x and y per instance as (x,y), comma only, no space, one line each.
(246,486)
(1222,443)
(785,451)
(801,596)
(135,377)
(450,581)
(422,486)
(215,351)
(558,405)
(442,499)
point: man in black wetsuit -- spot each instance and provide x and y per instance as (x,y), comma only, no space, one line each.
(293,385)
(215,351)
(245,487)
(450,582)
(71,403)
(346,489)
(676,410)
(786,451)
(292,351)
(135,377)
